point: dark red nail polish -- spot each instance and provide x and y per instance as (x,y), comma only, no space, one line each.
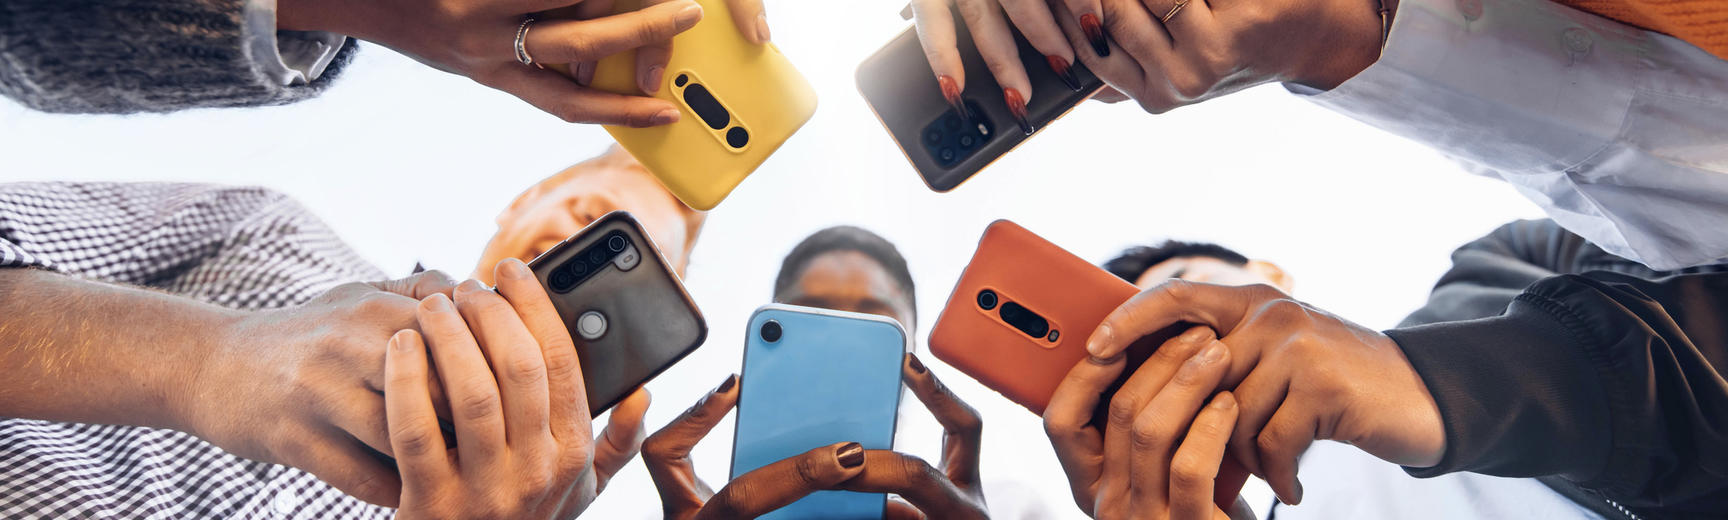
(726,386)
(1064,71)
(851,454)
(917,366)
(1095,34)
(1017,106)
(951,92)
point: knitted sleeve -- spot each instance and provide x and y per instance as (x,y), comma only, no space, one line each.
(127,56)
(1703,23)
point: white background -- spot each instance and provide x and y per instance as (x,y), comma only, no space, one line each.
(410,164)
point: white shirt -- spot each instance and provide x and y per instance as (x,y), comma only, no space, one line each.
(1620,134)
(291,57)
(1341,481)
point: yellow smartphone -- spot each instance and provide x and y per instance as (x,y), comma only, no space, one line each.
(740,102)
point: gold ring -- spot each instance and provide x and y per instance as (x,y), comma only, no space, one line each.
(1173,10)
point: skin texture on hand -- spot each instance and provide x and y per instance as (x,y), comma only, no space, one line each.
(1299,374)
(950,490)
(524,446)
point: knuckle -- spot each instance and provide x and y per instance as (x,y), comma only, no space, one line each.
(478,404)
(1189,471)
(1148,434)
(1269,441)
(1123,409)
(527,371)
(416,440)
(807,471)
(560,362)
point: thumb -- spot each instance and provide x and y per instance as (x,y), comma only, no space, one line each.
(419,285)
(622,438)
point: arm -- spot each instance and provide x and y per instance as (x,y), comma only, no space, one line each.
(1611,381)
(112,57)
(1592,119)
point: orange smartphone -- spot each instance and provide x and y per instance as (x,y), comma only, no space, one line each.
(1019,318)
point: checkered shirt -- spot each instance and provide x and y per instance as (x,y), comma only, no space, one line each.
(245,248)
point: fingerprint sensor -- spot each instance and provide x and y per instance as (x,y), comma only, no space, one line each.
(591,325)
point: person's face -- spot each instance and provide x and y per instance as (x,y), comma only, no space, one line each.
(561,205)
(1212,270)
(850,281)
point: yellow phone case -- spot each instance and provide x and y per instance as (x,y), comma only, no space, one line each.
(764,95)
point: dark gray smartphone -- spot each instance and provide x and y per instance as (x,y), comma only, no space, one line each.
(943,147)
(626,309)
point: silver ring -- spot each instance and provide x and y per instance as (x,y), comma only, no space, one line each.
(522,41)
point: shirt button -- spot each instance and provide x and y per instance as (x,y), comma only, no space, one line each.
(284,501)
(1578,41)
(1471,9)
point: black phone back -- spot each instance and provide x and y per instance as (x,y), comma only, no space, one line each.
(900,87)
(626,310)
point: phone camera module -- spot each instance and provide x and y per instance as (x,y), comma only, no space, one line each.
(617,243)
(771,331)
(987,299)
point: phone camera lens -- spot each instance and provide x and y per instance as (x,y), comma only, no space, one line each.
(737,137)
(934,136)
(1054,335)
(987,299)
(562,280)
(771,331)
(952,120)
(617,243)
(579,269)
(596,256)
(947,154)
(682,79)
(966,141)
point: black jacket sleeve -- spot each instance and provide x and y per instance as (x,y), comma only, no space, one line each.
(1609,380)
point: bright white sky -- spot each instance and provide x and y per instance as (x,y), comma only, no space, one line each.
(410,164)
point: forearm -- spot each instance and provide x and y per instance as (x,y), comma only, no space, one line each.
(82,351)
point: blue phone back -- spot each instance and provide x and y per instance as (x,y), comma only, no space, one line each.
(832,377)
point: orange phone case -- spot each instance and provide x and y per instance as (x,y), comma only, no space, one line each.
(1071,294)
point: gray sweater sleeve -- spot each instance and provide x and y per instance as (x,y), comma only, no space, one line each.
(127,56)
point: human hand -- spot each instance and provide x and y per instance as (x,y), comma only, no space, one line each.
(301,386)
(1209,49)
(476,39)
(953,491)
(1299,374)
(523,439)
(651,59)
(987,21)
(1159,452)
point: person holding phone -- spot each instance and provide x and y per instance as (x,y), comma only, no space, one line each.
(127,57)
(841,268)
(1607,413)
(225,335)
(1610,114)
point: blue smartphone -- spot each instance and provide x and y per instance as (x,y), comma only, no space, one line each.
(814,377)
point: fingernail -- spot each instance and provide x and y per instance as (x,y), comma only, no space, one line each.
(1195,335)
(762,34)
(397,344)
(1224,401)
(666,117)
(1298,493)
(1096,345)
(851,455)
(1064,71)
(726,386)
(689,14)
(470,285)
(1212,353)
(1094,30)
(516,270)
(951,92)
(418,268)
(1017,107)
(651,83)
(438,303)
(917,366)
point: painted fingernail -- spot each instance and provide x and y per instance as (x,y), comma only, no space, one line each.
(516,270)
(1064,71)
(651,81)
(726,386)
(917,366)
(762,34)
(438,303)
(1094,30)
(951,92)
(1298,496)
(666,117)
(851,455)
(1017,107)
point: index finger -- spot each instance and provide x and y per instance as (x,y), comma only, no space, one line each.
(751,19)
(774,486)
(569,415)
(1218,306)
(936,34)
(961,424)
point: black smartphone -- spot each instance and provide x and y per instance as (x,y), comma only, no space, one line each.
(943,147)
(625,307)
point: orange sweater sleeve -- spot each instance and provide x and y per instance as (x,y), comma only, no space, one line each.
(1703,23)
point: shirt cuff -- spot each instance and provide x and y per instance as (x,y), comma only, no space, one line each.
(290,58)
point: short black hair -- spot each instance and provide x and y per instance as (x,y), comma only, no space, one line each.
(1134,261)
(846,238)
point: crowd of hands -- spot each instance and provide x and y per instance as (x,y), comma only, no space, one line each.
(477,408)
(1203,50)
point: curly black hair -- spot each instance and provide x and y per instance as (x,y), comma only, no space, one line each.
(1134,261)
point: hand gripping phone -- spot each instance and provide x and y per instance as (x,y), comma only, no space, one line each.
(814,377)
(1019,318)
(944,148)
(740,102)
(629,315)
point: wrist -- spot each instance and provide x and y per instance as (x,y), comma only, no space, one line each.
(189,389)
(1357,45)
